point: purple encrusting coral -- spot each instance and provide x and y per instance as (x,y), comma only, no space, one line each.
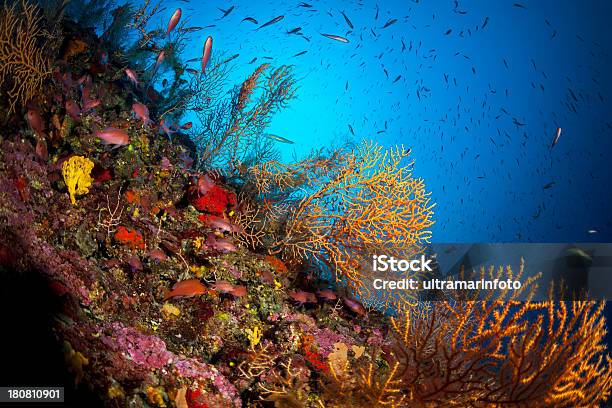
(143,349)
(192,368)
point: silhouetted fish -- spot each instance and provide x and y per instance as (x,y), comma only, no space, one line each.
(347,20)
(225,12)
(273,21)
(390,22)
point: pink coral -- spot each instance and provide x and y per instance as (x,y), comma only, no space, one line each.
(192,368)
(143,349)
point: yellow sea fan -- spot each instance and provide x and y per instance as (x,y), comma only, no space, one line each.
(76,172)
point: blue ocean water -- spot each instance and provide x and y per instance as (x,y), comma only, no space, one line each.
(477,90)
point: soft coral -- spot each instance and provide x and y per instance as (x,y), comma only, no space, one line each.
(216,200)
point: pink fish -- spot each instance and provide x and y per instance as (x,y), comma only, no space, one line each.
(226,287)
(158,255)
(187,288)
(159,60)
(141,112)
(36,122)
(173,21)
(302,297)
(219,224)
(206,53)
(113,136)
(327,294)
(239,291)
(221,245)
(355,306)
(132,76)
(73,110)
(89,104)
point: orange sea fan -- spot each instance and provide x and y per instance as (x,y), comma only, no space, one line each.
(504,352)
(369,203)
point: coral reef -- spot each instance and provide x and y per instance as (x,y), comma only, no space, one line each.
(199,271)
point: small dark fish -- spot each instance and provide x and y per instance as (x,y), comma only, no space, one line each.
(250,19)
(447,32)
(548,185)
(226,12)
(347,20)
(233,57)
(335,37)
(273,21)
(390,22)
(301,53)
(397,78)
(519,5)
(351,130)
(295,30)
(305,5)
(485,22)
(253,60)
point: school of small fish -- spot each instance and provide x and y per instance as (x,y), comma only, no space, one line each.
(419,74)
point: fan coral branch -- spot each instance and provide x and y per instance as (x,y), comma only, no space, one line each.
(505,352)
(370,202)
(24,66)
(233,132)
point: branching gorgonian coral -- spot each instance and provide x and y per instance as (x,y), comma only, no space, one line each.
(23,63)
(364,200)
(504,352)
(232,131)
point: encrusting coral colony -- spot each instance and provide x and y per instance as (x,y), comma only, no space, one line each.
(198,270)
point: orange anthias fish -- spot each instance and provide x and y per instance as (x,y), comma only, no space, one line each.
(174,21)
(141,112)
(159,60)
(206,53)
(226,287)
(132,76)
(36,122)
(302,297)
(114,136)
(186,288)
